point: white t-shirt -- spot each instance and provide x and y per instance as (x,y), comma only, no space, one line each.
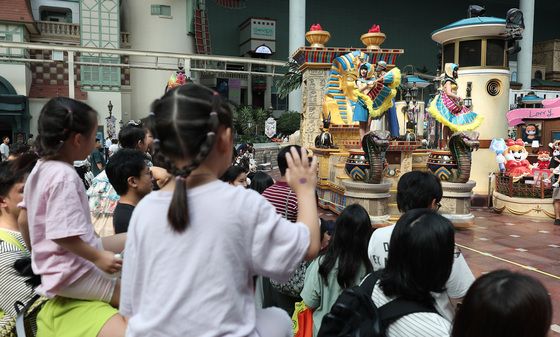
(113,149)
(4,151)
(459,281)
(200,282)
(420,324)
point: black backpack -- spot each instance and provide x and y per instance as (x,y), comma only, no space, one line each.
(355,315)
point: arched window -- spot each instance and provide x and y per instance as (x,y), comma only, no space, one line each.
(514,76)
(6,87)
(538,75)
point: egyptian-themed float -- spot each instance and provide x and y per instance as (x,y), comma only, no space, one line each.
(529,161)
(366,135)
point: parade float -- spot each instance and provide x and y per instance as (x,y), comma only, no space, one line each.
(339,84)
(529,165)
(475,62)
(342,85)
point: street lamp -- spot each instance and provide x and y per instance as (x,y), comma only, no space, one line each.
(110,107)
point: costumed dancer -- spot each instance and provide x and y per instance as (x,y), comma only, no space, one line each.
(381,70)
(178,78)
(375,96)
(447,107)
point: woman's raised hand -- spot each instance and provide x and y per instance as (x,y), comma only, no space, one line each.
(301,175)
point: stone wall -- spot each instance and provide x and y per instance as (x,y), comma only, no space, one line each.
(314,82)
(267,153)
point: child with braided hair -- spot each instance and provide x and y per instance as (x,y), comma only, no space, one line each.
(193,249)
(73,262)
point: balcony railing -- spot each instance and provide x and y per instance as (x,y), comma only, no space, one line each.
(59,30)
(69,31)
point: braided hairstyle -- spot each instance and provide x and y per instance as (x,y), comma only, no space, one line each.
(60,117)
(185,123)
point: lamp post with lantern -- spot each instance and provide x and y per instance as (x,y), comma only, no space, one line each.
(110,121)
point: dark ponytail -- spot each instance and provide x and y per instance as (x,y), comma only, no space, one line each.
(60,117)
(185,123)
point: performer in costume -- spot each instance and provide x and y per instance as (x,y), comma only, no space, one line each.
(178,78)
(374,96)
(381,70)
(447,107)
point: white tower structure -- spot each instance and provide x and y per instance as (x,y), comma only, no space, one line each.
(161,27)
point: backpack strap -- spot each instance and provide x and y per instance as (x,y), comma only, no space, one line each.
(9,238)
(399,307)
(369,282)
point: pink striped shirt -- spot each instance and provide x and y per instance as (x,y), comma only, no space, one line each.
(281,196)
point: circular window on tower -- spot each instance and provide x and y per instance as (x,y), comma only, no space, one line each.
(494,87)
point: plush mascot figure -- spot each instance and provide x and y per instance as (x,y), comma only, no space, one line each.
(543,160)
(517,165)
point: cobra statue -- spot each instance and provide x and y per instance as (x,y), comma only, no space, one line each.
(375,144)
(461,145)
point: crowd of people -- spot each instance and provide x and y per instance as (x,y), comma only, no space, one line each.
(177,234)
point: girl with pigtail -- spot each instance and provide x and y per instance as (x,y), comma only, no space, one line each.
(193,249)
(75,265)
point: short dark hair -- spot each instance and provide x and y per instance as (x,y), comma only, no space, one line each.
(282,163)
(8,178)
(14,171)
(19,149)
(232,173)
(421,253)
(503,304)
(417,189)
(60,117)
(261,181)
(122,165)
(130,135)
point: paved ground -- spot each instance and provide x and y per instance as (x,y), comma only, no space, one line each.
(505,241)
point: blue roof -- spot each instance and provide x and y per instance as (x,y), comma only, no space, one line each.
(531,99)
(415,79)
(481,20)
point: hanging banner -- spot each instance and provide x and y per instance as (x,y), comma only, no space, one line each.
(550,110)
(516,117)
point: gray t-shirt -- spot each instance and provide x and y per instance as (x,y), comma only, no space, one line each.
(200,282)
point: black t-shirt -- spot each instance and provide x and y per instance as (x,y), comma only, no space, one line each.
(121,217)
(554,162)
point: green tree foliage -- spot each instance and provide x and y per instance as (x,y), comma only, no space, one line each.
(288,123)
(290,81)
(248,123)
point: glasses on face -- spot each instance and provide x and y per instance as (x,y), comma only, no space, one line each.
(134,123)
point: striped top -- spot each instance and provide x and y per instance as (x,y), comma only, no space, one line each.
(13,285)
(420,324)
(281,196)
